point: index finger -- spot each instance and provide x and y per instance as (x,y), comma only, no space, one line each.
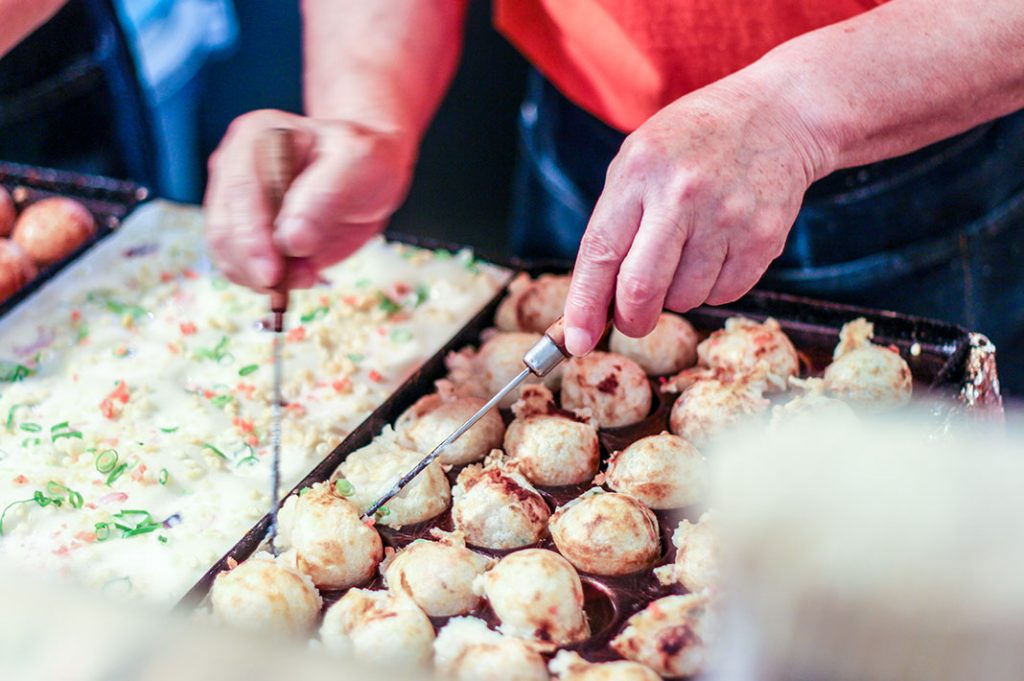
(613,224)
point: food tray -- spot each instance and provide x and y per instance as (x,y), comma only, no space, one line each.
(109,200)
(952,368)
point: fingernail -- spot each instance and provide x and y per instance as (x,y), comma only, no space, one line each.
(578,341)
(264,271)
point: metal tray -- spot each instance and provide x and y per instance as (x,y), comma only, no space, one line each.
(108,199)
(953,368)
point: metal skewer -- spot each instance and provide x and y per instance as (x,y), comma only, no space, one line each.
(540,360)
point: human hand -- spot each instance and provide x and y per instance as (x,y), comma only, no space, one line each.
(349,180)
(695,206)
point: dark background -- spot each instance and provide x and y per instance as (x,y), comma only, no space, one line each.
(461,190)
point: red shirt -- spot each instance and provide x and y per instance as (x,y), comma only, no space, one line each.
(623,60)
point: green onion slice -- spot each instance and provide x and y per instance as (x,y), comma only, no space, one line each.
(31,427)
(116,473)
(106,461)
(164,476)
(344,488)
(248,369)
(207,445)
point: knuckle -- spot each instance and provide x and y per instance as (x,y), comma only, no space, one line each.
(597,249)
(637,288)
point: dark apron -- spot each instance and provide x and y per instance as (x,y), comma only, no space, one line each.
(938,233)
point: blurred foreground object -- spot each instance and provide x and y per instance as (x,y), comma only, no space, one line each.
(873,552)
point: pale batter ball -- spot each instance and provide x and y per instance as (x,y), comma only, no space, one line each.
(437,575)
(331,543)
(744,343)
(466,650)
(434,417)
(669,348)
(671,635)
(697,555)
(8,212)
(569,666)
(548,445)
(495,507)
(663,471)
(16,269)
(50,229)
(372,470)
(495,364)
(264,594)
(376,626)
(614,388)
(869,375)
(536,594)
(714,402)
(812,409)
(532,304)
(606,533)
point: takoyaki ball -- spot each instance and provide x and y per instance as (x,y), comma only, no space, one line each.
(495,507)
(331,543)
(670,347)
(50,229)
(869,375)
(8,212)
(614,388)
(438,575)
(713,403)
(744,343)
(670,635)
(697,564)
(264,594)
(536,594)
(466,650)
(569,666)
(378,626)
(811,408)
(548,445)
(495,364)
(434,417)
(372,470)
(663,471)
(606,533)
(16,269)
(532,304)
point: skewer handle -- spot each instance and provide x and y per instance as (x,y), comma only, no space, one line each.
(276,158)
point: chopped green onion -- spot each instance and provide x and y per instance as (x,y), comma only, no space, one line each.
(217,353)
(169,430)
(218,283)
(116,473)
(442,254)
(221,401)
(401,335)
(344,488)
(248,369)
(102,531)
(10,414)
(207,445)
(31,427)
(8,508)
(75,499)
(422,294)
(162,539)
(164,476)
(315,314)
(304,490)
(13,372)
(60,426)
(71,433)
(250,460)
(356,357)
(389,306)
(31,442)
(106,461)
(382,512)
(83,333)
(54,488)
(363,283)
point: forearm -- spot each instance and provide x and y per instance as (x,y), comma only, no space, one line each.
(18,18)
(899,77)
(384,65)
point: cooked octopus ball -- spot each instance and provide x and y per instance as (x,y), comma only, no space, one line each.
(50,229)
(377,626)
(332,544)
(744,343)
(536,594)
(872,376)
(497,508)
(697,550)
(495,364)
(438,576)
(670,347)
(466,650)
(812,409)
(670,635)
(8,212)
(569,666)
(663,471)
(16,269)
(553,450)
(532,304)
(264,594)
(710,405)
(372,470)
(606,533)
(614,388)
(434,417)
